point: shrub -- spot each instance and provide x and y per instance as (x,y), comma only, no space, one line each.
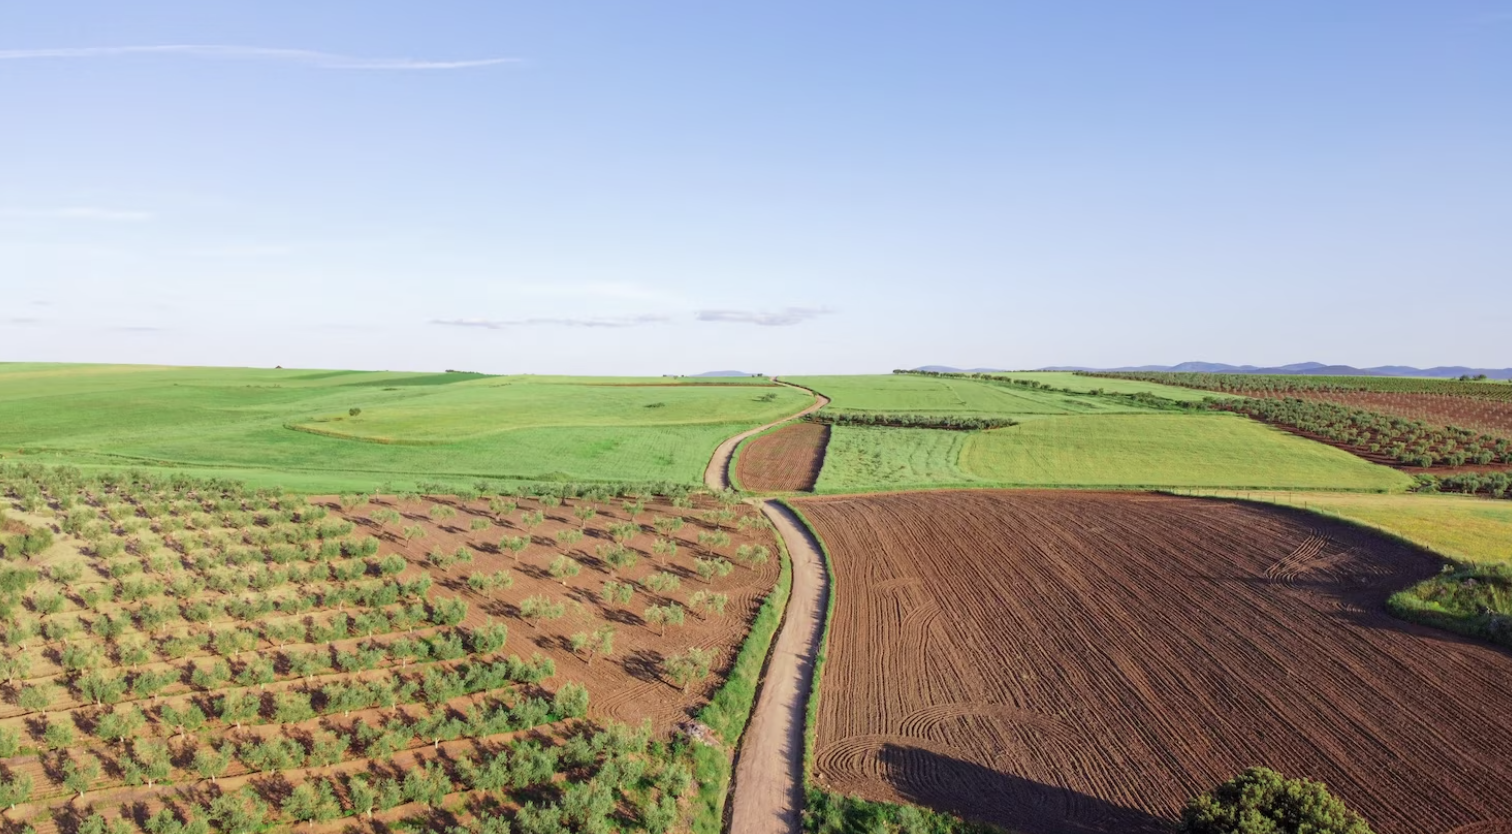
(1262,801)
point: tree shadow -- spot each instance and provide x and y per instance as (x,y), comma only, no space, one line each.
(935,780)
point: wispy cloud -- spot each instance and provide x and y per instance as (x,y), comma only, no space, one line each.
(23,320)
(77,213)
(596,321)
(308,57)
(781,318)
(136,328)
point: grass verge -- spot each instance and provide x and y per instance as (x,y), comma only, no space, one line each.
(729,711)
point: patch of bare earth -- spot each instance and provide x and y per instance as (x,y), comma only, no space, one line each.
(786,460)
(1085,662)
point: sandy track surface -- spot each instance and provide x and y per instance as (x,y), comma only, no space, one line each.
(768,787)
(1084,662)
(717,476)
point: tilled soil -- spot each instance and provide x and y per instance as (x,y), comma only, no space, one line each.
(628,686)
(787,460)
(1085,662)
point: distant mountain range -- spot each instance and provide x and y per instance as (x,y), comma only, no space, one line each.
(1304,368)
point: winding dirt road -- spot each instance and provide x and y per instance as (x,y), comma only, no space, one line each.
(767,793)
(768,788)
(717,476)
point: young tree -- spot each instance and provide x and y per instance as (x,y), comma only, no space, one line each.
(116,726)
(362,794)
(411,533)
(663,616)
(571,701)
(515,545)
(442,512)
(667,526)
(664,549)
(538,608)
(150,762)
(34,698)
(567,539)
(584,513)
(708,604)
(186,719)
(563,568)
(689,667)
(311,802)
(530,521)
(79,772)
(242,812)
(237,707)
(15,789)
(600,641)
(210,763)
(662,582)
(709,568)
(617,593)
(427,785)
(58,735)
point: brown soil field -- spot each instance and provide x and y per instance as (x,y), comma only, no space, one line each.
(1085,662)
(1492,417)
(626,686)
(786,460)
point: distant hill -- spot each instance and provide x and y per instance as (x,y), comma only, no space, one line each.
(726,373)
(1310,369)
(946,369)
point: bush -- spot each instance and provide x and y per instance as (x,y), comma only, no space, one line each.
(1262,801)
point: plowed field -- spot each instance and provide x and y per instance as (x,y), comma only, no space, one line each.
(1492,417)
(1085,662)
(786,460)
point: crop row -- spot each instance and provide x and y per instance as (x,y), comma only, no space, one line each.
(1282,384)
(1408,442)
(949,422)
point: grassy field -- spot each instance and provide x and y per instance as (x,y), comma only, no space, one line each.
(1114,450)
(294,428)
(905,393)
(1462,527)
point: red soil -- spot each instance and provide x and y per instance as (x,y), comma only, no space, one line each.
(1493,417)
(626,686)
(1085,662)
(786,460)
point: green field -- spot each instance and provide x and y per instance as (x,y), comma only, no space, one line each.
(1462,527)
(261,425)
(907,393)
(1112,451)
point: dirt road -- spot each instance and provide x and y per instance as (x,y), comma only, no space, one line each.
(717,476)
(768,792)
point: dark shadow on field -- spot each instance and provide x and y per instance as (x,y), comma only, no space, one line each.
(1021,805)
(1365,567)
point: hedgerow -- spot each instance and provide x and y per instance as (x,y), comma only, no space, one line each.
(948,422)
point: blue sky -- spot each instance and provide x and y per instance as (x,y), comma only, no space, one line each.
(674,187)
